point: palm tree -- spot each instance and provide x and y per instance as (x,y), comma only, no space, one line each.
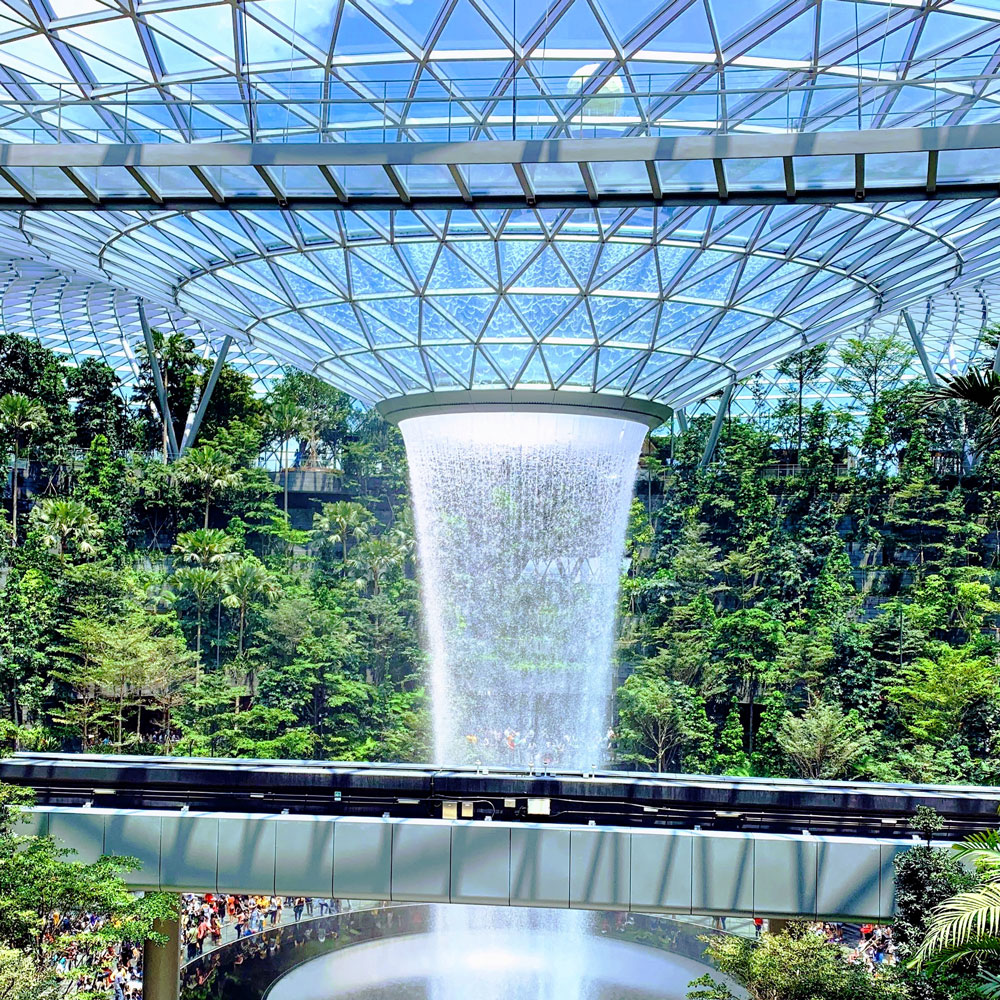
(968,924)
(980,388)
(60,522)
(19,416)
(287,421)
(205,547)
(337,522)
(376,558)
(210,469)
(200,583)
(246,581)
(209,549)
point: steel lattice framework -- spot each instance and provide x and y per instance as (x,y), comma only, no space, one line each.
(665,301)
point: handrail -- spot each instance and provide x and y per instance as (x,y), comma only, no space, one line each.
(850,97)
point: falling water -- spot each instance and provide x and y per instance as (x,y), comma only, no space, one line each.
(520,527)
(520,521)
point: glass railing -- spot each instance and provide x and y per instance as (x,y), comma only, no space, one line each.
(788,96)
(246,969)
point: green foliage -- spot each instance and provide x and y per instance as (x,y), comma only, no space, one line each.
(830,600)
(823,742)
(790,967)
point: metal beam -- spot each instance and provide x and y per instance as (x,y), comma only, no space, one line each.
(918,343)
(161,391)
(682,421)
(996,359)
(305,188)
(720,416)
(497,151)
(206,394)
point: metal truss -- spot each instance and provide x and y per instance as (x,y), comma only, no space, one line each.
(404,275)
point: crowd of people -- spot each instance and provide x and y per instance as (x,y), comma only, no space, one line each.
(871,944)
(104,966)
(526,748)
(210,920)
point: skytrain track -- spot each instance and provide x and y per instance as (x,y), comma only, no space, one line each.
(618,798)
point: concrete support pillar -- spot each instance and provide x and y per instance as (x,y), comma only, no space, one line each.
(161,963)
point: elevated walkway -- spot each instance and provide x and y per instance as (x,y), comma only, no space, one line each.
(494,863)
(681,844)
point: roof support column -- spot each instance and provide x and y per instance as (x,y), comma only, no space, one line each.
(206,394)
(918,343)
(682,421)
(161,391)
(996,359)
(720,416)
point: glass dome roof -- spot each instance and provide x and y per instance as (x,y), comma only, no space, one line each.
(663,302)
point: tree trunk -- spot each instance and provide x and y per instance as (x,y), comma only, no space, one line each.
(243,617)
(285,463)
(197,652)
(13,493)
(208,500)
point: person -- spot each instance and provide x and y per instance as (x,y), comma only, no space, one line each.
(118,983)
(309,906)
(215,929)
(202,933)
(298,907)
(192,941)
(758,926)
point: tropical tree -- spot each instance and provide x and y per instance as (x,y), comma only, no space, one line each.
(980,388)
(60,523)
(657,720)
(201,584)
(375,558)
(287,421)
(176,357)
(338,522)
(208,468)
(967,924)
(244,582)
(19,418)
(790,967)
(803,368)
(822,742)
(205,547)
(208,549)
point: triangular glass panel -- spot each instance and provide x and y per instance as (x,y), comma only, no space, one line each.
(545,271)
(541,311)
(470,311)
(504,324)
(452,273)
(535,373)
(466,29)
(481,253)
(420,257)
(508,358)
(639,276)
(575,326)
(562,357)
(513,253)
(715,286)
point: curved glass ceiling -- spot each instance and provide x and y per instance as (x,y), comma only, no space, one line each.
(665,303)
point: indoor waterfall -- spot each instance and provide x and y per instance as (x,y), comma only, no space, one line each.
(520,520)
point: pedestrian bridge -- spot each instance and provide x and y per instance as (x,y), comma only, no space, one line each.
(658,843)
(480,861)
